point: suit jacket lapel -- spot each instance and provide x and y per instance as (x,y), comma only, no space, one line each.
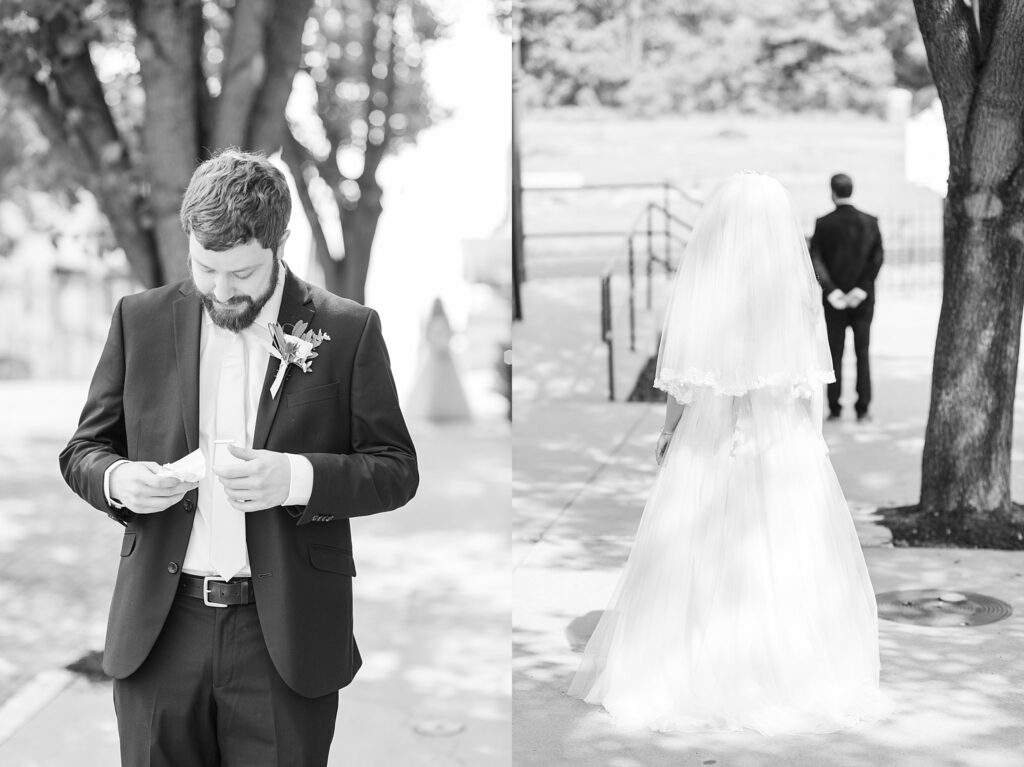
(188,312)
(296,304)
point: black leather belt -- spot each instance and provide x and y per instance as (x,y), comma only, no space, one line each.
(216,592)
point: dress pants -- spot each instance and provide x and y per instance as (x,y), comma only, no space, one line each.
(208,695)
(836,322)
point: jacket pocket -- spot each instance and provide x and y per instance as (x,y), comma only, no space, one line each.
(332,560)
(127,544)
(316,394)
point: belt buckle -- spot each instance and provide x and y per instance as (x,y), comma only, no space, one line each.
(206,590)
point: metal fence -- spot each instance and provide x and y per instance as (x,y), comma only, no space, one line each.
(652,242)
(656,240)
(575,231)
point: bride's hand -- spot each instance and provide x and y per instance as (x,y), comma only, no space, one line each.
(664,440)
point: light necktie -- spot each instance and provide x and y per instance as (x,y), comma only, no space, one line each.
(227,524)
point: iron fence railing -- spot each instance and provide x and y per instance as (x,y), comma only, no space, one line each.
(667,195)
(656,235)
(646,230)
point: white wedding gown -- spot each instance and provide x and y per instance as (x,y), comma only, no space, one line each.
(745,602)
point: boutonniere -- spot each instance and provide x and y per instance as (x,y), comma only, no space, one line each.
(295,348)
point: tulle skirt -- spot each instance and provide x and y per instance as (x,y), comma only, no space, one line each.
(745,602)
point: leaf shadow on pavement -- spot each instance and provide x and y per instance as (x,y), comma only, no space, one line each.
(956,693)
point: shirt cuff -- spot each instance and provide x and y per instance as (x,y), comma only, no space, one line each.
(300,486)
(106,484)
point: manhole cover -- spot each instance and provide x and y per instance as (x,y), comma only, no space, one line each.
(935,607)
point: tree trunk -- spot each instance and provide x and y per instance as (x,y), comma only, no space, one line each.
(245,65)
(121,207)
(358,228)
(966,461)
(345,276)
(965,467)
(165,45)
(283,53)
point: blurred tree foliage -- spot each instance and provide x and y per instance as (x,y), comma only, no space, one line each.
(660,56)
(363,68)
(124,98)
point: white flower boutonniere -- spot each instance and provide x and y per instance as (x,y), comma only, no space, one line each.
(295,348)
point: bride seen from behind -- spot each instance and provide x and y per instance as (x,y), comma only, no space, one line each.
(745,602)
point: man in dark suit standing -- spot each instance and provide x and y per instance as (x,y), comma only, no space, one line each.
(230,629)
(846,249)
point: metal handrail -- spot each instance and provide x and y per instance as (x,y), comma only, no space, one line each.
(606,330)
(559,235)
(666,187)
(643,225)
(646,216)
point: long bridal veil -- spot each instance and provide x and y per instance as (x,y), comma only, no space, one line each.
(745,311)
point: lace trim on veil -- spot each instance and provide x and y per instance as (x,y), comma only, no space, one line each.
(681,385)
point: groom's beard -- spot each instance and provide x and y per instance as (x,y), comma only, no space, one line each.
(234,319)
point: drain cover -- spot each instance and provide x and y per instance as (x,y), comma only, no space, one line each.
(935,607)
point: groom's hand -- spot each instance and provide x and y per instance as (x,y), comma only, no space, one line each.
(856,297)
(137,486)
(838,299)
(260,482)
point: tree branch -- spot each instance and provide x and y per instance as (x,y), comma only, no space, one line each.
(86,131)
(296,156)
(375,153)
(952,57)
(88,119)
(328,167)
(283,50)
(205,110)
(242,76)
(997,121)
(32,96)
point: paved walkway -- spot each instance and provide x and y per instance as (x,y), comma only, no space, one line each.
(582,468)
(431,614)
(432,598)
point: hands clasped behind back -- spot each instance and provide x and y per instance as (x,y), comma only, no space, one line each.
(139,486)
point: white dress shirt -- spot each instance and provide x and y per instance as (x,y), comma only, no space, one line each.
(256,339)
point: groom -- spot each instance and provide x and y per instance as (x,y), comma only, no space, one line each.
(846,250)
(230,627)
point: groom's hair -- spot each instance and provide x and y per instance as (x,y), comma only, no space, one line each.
(842,185)
(236,197)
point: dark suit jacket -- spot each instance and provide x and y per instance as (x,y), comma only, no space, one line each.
(343,415)
(846,250)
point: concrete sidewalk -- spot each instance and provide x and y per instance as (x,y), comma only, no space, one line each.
(582,469)
(431,613)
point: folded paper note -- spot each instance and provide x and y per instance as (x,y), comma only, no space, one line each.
(191,468)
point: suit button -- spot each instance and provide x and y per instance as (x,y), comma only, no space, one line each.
(188,506)
(172,567)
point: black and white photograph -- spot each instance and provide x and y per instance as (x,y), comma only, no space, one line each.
(255,373)
(768,450)
(511,383)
